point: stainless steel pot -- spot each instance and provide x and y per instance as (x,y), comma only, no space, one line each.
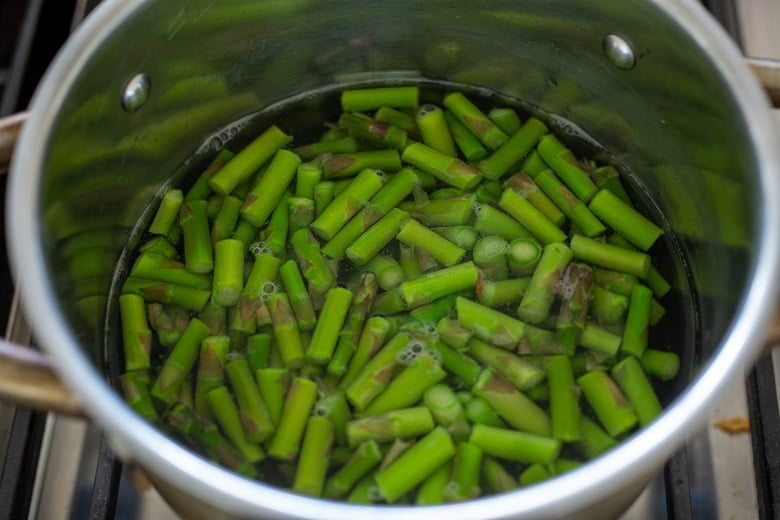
(145,86)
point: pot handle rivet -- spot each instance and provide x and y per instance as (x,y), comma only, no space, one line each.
(619,51)
(136,92)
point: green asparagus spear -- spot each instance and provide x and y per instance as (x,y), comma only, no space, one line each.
(201,189)
(476,121)
(273,384)
(575,289)
(565,165)
(347,203)
(637,321)
(497,478)
(386,114)
(388,197)
(136,335)
(438,284)
(533,164)
(368,245)
(227,416)
(331,319)
(564,399)
(285,443)
(510,404)
(198,249)
(490,256)
(286,331)
(359,100)
(524,185)
(269,190)
(255,418)
(519,372)
(506,119)
(415,464)
(466,468)
(624,219)
(575,209)
(228,272)
(135,388)
(457,363)
(468,143)
(479,411)
(609,256)
(491,221)
(394,424)
(422,371)
(502,292)
(434,130)
(167,212)
(662,365)
(377,372)
(464,237)
(313,266)
(612,408)
(513,150)
(167,293)
(447,410)
(593,440)
(179,362)
(246,162)
(453,333)
(447,169)
(531,218)
(412,233)
(372,338)
(159,246)
(453,210)
(278,226)
(349,336)
(489,324)
(373,132)
(299,297)
(515,445)
(313,461)
(387,271)
(631,379)
(431,490)
(210,375)
(365,458)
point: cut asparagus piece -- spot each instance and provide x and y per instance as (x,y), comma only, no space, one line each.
(515,445)
(415,464)
(285,443)
(248,160)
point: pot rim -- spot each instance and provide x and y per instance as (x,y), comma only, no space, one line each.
(133,438)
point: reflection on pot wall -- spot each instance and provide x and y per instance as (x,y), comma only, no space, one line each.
(670,121)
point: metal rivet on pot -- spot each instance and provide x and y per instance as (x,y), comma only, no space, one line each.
(619,51)
(136,92)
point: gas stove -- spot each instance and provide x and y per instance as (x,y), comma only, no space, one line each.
(53,466)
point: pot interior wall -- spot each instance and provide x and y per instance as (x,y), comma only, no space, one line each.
(670,122)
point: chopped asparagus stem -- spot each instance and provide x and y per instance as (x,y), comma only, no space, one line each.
(315,453)
(286,441)
(434,130)
(513,150)
(611,406)
(136,335)
(248,160)
(515,445)
(415,464)
(269,190)
(359,100)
